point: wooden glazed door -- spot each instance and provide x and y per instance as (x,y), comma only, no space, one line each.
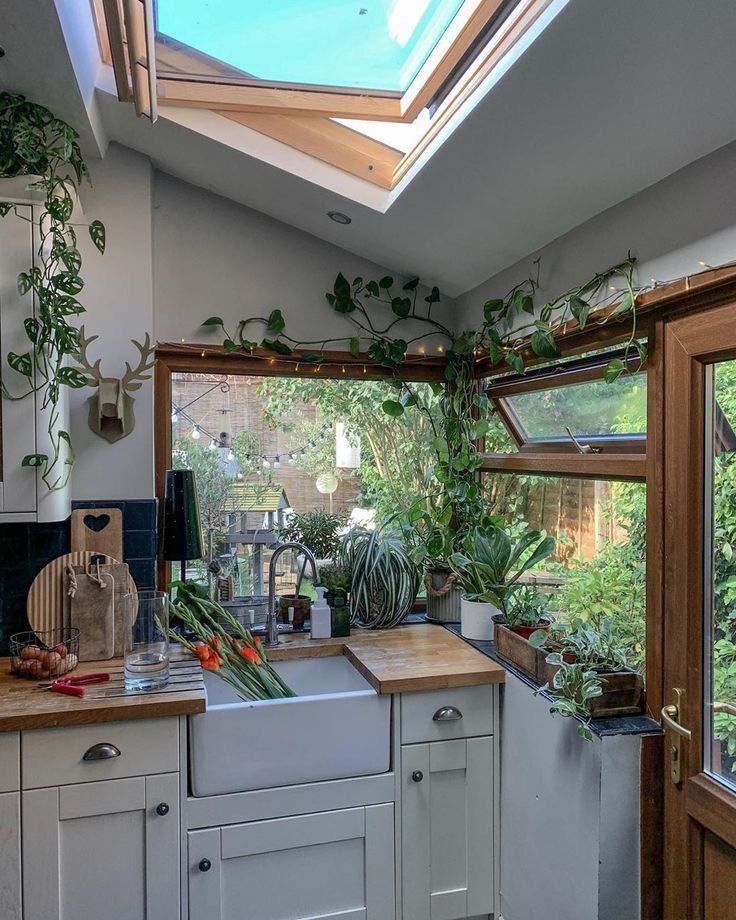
(700,616)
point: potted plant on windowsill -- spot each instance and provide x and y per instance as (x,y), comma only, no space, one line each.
(489,571)
(525,616)
(587,674)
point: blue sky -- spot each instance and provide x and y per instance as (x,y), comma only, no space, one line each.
(327,42)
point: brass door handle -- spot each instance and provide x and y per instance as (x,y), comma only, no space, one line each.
(726,708)
(670,715)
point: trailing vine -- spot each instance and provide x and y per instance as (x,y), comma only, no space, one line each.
(512,328)
(33,142)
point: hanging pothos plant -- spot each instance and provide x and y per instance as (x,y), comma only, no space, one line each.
(511,329)
(34,143)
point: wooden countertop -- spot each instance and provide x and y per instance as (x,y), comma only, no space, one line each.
(408,658)
(405,659)
(23,706)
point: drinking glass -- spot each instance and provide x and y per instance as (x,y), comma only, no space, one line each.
(146,640)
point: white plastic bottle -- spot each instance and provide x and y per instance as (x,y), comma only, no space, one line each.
(321,617)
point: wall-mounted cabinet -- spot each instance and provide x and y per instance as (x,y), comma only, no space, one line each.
(23,422)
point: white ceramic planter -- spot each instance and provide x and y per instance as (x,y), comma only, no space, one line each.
(476,619)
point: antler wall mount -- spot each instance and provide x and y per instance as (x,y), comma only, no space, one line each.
(111,408)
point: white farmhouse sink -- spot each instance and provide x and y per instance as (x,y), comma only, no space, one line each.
(337,726)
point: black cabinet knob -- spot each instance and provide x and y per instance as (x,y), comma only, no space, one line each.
(162,809)
(205,865)
(417,776)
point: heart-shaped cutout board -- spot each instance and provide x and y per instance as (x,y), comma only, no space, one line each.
(96,522)
(97,530)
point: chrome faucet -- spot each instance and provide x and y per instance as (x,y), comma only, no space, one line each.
(272,616)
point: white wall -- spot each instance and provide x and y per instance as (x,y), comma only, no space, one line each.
(670,227)
(118,295)
(175,255)
(215,257)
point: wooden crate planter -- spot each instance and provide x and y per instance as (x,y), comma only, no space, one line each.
(516,649)
(623,692)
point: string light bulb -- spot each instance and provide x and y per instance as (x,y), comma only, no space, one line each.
(230,456)
(213,444)
(196,433)
(440,348)
(174,416)
(277,462)
(266,463)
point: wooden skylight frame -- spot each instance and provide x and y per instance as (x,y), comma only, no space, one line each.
(301,117)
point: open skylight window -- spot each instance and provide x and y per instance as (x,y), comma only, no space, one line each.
(371,87)
(377,45)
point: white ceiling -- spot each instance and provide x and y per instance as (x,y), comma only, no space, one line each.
(613,96)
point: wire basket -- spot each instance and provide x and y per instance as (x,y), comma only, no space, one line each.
(45,654)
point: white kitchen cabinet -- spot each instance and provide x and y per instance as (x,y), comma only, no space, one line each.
(10,879)
(447,814)
(106,850)
(337,865)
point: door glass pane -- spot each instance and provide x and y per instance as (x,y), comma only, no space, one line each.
(720,575)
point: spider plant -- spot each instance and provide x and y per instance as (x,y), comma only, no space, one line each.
(384,581)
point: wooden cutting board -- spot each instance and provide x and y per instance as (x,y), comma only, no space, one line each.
(97,530)
(45,604)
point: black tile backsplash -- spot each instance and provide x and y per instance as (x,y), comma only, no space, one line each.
(26,548)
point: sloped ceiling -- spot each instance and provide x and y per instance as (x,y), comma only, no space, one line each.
(612,97)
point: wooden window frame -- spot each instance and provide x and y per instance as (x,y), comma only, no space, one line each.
(301,117)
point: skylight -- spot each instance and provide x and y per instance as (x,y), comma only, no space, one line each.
(377,45)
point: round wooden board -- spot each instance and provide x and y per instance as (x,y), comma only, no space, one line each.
(45,603)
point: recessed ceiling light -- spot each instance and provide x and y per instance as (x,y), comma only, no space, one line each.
(339,217)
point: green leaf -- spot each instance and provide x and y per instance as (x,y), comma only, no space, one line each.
(71,377)
(355,346)
(68,282)
(341,287)
(312,358)
(275,323)
(34,460)
(392,407)
(24,283)
(490,307)
(228,346)
(411,285)
(625,305)
(522,302)
(21,363)
(97,234)
(515,361)
(386,282)
(401,306)
(31,326)
(281,348)
(433,296)
(580,309)
(613,370)
(72,260)
(213,321)
(372,289)
(5,208)
(543,344)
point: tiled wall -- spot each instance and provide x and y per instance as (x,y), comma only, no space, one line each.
(26,548)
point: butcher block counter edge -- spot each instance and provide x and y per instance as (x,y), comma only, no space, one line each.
(405,659)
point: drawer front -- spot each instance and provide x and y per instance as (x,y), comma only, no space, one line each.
(55,756)
(439,715)
(9,762)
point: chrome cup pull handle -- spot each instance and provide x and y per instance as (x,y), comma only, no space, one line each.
(102,751)
(447,714)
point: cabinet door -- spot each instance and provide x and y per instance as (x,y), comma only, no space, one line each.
(17,418)
(447,829)
(102,850)
(10,885)
(337,865)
